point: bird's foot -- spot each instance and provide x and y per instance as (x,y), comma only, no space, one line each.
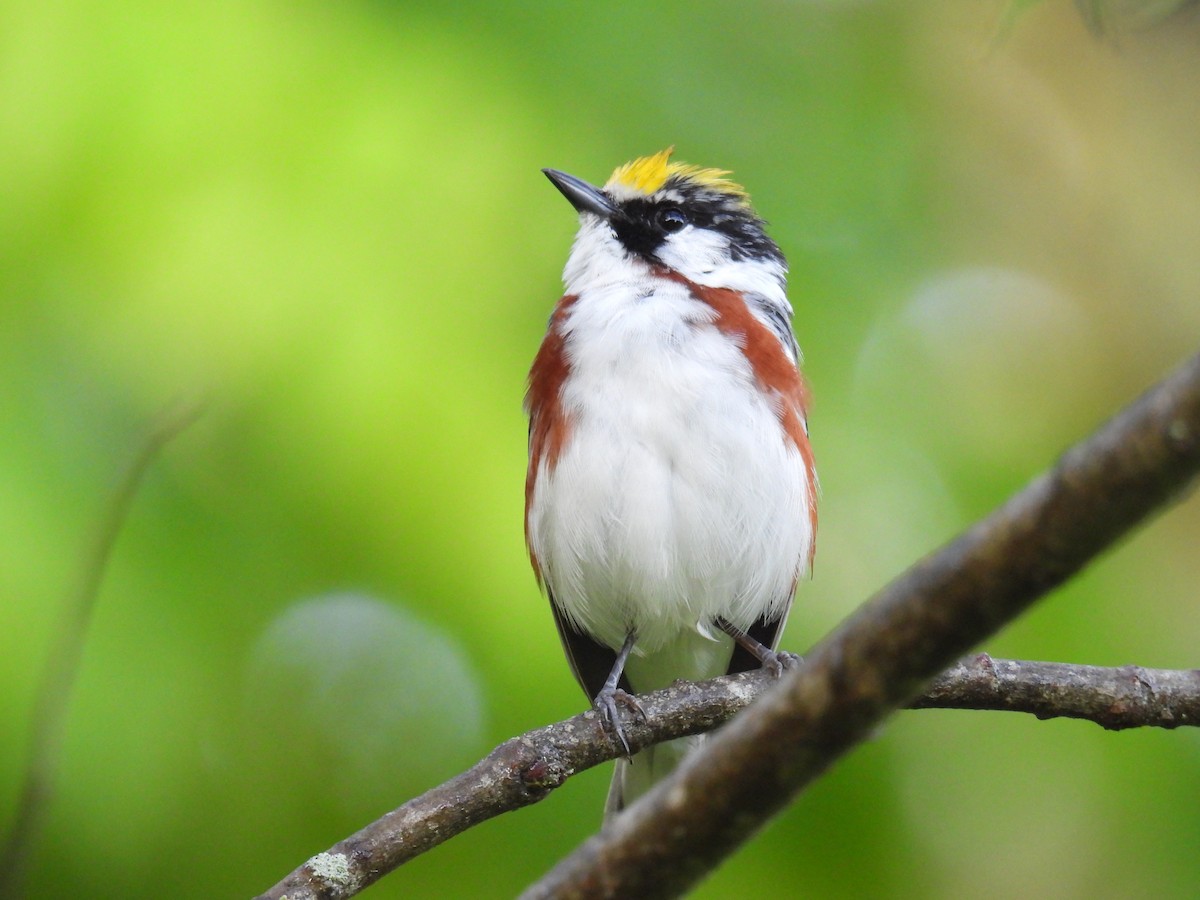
(606,704)
(776,662)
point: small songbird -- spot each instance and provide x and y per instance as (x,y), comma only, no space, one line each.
(671,497)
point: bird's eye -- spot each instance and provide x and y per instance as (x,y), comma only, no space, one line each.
(671,219)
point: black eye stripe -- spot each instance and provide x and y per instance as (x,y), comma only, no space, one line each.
(644,225)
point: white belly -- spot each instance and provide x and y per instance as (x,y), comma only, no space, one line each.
(677,498)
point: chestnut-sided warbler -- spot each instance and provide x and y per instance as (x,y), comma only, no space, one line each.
(671,497)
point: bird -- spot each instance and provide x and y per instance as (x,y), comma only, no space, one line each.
(671,492)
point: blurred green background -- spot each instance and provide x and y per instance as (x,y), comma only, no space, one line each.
(331,216)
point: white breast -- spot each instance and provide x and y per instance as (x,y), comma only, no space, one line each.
(677,498)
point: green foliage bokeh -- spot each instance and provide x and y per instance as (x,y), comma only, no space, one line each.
(330,217)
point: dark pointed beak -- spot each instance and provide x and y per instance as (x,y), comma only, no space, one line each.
(583,196)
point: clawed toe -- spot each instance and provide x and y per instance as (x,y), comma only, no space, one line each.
(781,661)
(606,704)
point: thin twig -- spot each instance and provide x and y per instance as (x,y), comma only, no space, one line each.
(1113,698)
(62,665)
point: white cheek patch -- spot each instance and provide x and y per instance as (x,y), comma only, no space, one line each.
(694,252)
(703,256)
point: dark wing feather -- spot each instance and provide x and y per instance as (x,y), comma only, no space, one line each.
(591,662)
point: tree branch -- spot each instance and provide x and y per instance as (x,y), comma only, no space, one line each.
(1113,698)
(875,662)
(525,769)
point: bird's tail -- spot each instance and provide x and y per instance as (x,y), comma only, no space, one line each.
(637,775)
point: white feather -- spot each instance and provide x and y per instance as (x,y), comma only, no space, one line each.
(678,498)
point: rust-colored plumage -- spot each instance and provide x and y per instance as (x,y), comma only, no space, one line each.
(775,373)
(549,426)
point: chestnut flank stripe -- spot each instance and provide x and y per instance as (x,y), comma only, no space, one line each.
(549,426)
(775,373)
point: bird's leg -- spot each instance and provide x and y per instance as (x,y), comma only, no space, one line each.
(774,661)
(610,695)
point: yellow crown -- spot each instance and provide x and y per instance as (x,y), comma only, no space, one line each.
(648,174)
